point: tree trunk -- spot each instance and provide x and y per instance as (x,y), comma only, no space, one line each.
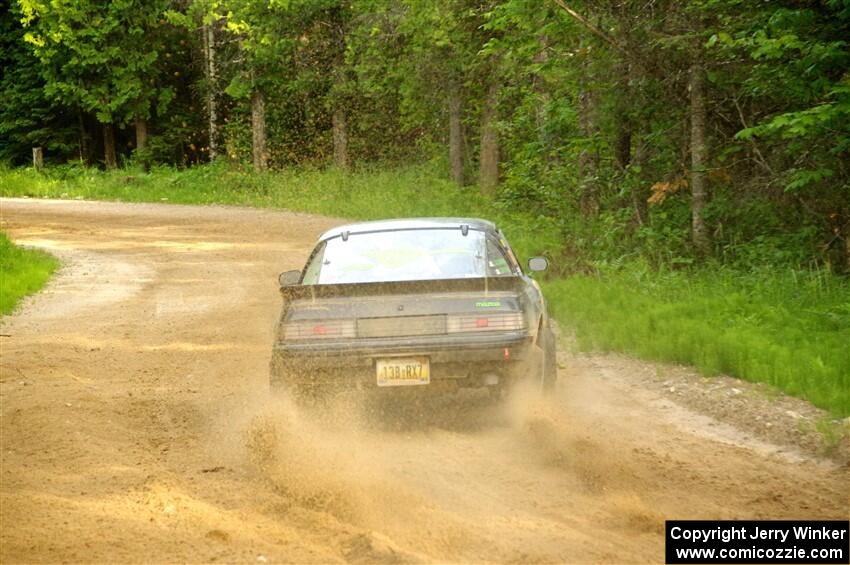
(838,248)
(212,75)
(455,135)
(623,141)
(543,101)
(85,156)
(847,249)
(639,193)
(141,133)
(340,135)
(38,159)
(588,161)
(258,130)
(622,121)
(109,146)
(699,159)
(142,141)
(488,173)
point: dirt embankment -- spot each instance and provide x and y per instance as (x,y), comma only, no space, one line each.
(136,425)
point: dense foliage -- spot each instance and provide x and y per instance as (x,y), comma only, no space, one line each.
(670,131)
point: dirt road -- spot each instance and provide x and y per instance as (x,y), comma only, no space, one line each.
(137,426)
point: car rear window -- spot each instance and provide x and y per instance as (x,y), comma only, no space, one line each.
(421,254)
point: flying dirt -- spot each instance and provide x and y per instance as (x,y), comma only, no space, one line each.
(138,426)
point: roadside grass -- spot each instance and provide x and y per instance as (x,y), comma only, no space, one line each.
(833,435)
(788,329)
(363,195)
(22,272)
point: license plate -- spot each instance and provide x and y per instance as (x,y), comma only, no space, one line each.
(403,371)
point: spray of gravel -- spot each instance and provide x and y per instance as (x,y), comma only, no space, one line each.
(335,456)
(401,476)
(565,439)
(346,466)
(323,458)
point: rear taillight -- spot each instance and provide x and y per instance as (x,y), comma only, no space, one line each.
(318,329)
(485,322)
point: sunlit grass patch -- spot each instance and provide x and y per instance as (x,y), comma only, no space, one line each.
(788,330)
(22,272)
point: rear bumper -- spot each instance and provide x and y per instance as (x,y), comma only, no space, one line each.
(458,360)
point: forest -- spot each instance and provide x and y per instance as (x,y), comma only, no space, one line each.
(697,151)
(672,130)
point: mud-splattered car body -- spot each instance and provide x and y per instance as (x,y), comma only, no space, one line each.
(436,302)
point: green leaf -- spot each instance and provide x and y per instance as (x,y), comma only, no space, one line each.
(238,87)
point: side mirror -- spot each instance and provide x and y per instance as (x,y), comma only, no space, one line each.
(289,278)
(537,264)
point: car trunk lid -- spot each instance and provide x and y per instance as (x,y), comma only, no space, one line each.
(416,308)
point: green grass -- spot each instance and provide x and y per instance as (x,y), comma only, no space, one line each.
(22,272)
(386,193)
(788,329)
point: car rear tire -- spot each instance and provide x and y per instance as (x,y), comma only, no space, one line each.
(283,380)
(279,381)
(496,393)
(549,371)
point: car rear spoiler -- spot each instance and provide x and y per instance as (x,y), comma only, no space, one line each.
(482,285)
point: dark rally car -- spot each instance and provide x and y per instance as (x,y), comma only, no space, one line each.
(438,303)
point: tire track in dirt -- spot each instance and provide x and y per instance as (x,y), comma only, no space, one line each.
(137,425)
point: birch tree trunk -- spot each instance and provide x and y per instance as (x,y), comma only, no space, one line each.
(699,159)
(488,173)
(455,135)
(258,130)
(109,157)
(340,135)
(212,75)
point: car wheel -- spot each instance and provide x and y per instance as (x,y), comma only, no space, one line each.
(496,393)
(549,370)
(278,379)
(283,380)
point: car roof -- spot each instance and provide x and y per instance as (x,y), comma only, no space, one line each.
(410,224)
